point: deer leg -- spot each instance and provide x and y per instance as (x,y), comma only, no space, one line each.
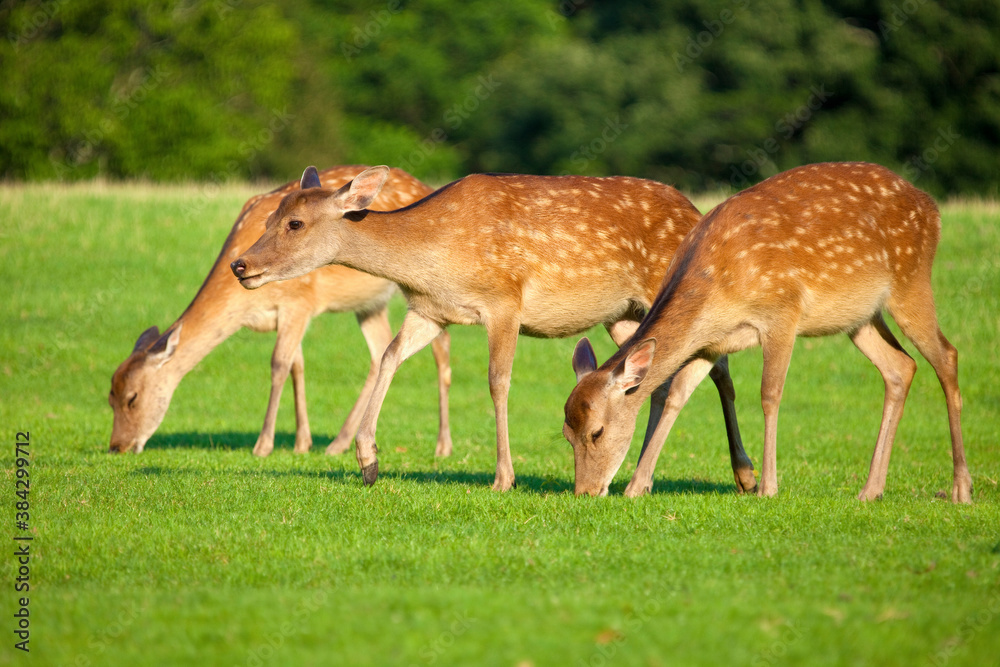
(916,317)
(677,391)
(303,436)
(417,331)
(291,328)
(620,332)
(742,466)
(657,406)
(502,338)
(777,351)
(375,328)
(642,479)
(876,342)
(441,347)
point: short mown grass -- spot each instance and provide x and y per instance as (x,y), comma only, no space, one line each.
(195,552)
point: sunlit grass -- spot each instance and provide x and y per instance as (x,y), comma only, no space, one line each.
(196,552)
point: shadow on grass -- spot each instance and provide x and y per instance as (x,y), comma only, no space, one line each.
(234,441)
(682,487)
(530,483)
(525,483)
(228,440)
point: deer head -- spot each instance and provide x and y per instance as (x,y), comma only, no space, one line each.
(139,395)
(600,418)
(304,232)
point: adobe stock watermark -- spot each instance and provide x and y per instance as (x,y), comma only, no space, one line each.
(104,639)
(73,331)
(982,284)
(453,117)
(898,17)
(587,153)
(33,24)
(784,128)
(698,43)
(917,165)
(362,36)
(88,148)
(436,650)
(294,624)
(209,190)
(634,621)
(775,653)
(968,629)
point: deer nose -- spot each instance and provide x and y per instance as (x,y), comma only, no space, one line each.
(239,267)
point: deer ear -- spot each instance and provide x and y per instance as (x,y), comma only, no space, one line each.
(163,350)
(146,339)
(630,372)
(310,179)
(584,361)
(363,189)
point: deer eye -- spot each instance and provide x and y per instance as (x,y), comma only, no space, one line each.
(294,224)
(596,434)
(131,400)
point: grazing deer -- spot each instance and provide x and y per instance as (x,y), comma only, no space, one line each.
(544,256)
(813,251)
(142,386)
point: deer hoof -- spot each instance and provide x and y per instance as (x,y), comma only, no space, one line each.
(867,495)
(443,448)
(767,491)
(338,446)
(370,473)
(636,490)
(500,485)
(745,480)
(961,492)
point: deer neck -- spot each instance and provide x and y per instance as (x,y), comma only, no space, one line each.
(211,318)
(402,246)
(679,324)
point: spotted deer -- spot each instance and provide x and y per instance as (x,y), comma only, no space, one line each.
(143,385)
(543,256)
(813,251)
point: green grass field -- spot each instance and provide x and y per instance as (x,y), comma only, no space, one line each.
(195,552)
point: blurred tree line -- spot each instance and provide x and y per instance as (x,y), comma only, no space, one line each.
(698,93)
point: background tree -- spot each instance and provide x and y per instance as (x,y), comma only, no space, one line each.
(141,89)
(699,93)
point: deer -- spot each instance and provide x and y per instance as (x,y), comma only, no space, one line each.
(142,386)
(813,251)
(544,256)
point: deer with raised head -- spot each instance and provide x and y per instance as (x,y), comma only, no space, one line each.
(143,385)
(813,251)
(542,256)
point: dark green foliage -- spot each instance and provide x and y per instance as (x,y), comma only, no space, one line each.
(702,93)
(142,89)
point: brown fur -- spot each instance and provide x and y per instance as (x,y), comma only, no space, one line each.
(813,251)
(148,377)
(543,256)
